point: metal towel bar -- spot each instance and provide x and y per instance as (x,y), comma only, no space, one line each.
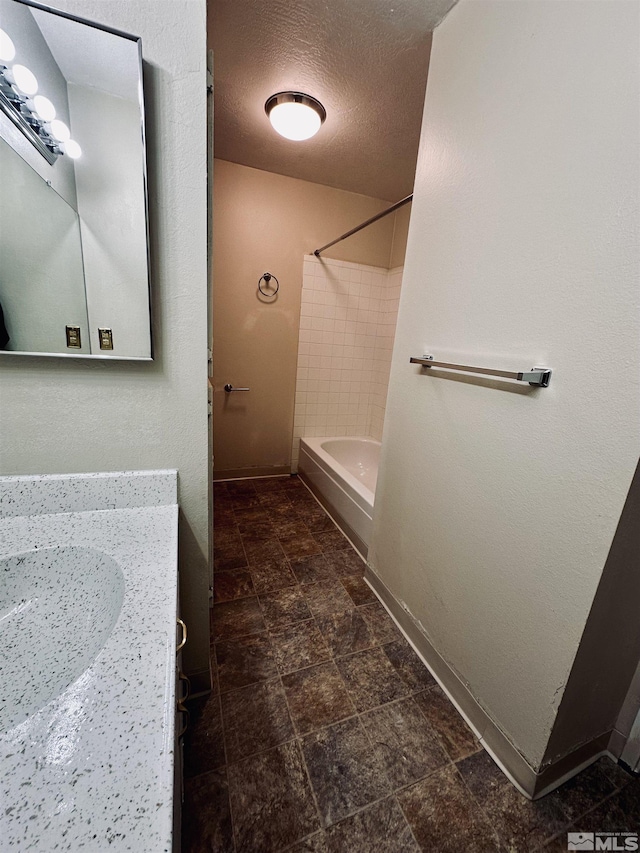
(537,376)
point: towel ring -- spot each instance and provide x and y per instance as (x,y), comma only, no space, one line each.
(267,278)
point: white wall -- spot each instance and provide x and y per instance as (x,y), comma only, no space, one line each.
(57,416)
(347,322)
(41,273)
(110,188)
(496,504)
(32,51)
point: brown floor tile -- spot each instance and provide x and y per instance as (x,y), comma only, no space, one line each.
(358,589)
(444,817)
(297,646)
(245,502)
(254,514)
(203,743)
(628,799)
(222,518)
(382,828)
(317,520)
(316,843)
(381,625)
(230,585)
(346,562)
(317,697)
(345,772)
(327,597)
(267,484)
(558,844)
(300,546)
(255,718)
(293,484)
(262,550)
(312,569)
(287,527)
(331,540)
(272,575)
(231,619)
(271,800)
(284,607)
(585,791)
(408,665)
(206,817)
(240,487)
(282,513)
(277,498)
(228,552)
(345,632)
(370,679)
(618,775)
(246,660)
(455,735)
(226,536)
(613,815)
(522,825)
(408,749)
(256,530)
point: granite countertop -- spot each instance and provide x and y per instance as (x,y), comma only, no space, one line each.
(93,768)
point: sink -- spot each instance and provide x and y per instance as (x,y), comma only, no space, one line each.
(58,607)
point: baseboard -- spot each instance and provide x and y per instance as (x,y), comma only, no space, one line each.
(533,784)
(251,473)
(357,542)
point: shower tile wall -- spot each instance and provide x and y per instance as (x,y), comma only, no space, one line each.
(347,325)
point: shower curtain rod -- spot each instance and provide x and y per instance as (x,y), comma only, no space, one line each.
(364,224)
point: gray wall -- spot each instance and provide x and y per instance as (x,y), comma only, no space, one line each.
(62,416)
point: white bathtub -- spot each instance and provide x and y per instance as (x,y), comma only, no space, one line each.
(342,472)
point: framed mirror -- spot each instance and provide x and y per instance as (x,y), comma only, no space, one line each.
(74,259)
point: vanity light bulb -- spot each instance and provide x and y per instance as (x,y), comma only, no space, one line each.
(45,109)
(72,149)
(7,48)
(59,130)
(24,79)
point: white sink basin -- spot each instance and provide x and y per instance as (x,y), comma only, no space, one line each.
(58,607)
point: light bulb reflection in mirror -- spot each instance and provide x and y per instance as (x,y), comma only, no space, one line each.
(7,49)
(72,149)
(45,109)
(24,79)
(59,130)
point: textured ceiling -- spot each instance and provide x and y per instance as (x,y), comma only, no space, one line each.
(365,60)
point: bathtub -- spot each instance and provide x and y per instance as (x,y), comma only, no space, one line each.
(341,472)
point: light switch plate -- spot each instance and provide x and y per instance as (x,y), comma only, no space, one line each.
(106,338)
(73,337)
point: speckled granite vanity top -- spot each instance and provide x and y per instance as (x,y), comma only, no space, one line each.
(88,595)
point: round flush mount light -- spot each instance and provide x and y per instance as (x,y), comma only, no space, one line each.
(295,115)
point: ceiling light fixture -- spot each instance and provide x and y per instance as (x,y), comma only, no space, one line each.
(295,115)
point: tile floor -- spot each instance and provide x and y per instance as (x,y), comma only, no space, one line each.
(325,732)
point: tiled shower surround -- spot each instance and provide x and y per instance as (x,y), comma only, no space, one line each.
(325,733)
(347,325)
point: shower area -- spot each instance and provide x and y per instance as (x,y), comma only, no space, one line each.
(348,317)
(304,326)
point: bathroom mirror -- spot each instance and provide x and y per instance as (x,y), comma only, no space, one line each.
(74,269)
